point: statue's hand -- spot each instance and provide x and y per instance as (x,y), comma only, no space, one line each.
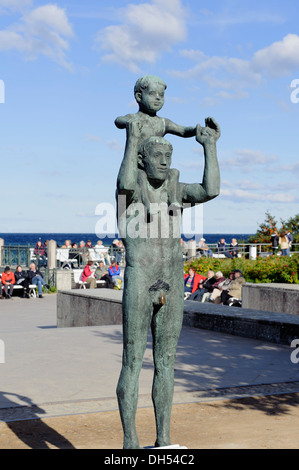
(209,134)
(134,127)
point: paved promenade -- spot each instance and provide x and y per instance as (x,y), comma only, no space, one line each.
(50,372)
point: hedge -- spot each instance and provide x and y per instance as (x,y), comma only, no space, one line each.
(275,269)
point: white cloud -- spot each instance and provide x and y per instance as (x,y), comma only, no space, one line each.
(230,73)
(279,59)
(114,145)
(93,138)
(42,31)
(223,73)
(291,168)
(247,158)
(147,30)
(238,195)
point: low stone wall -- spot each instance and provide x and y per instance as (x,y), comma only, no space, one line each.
(97,307)
(89,307)
(265,326)
(280,298)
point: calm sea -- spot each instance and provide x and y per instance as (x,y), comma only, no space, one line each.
(32,238)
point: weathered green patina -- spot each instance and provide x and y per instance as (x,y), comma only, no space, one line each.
(149,224)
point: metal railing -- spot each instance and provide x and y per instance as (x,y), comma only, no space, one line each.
(15,255)
(245,250)
(23,255)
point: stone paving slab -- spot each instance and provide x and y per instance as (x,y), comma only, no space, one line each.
(54,372)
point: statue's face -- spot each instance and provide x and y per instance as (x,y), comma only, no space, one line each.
(157,162)
(152,98)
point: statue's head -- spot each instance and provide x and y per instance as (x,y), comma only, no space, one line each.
(154,157)
(149,93)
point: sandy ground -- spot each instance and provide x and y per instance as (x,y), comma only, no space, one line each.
(269,422)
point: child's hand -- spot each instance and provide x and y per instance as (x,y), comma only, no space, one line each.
(209,134)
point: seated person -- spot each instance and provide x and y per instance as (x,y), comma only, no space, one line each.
(234,248)
(40,253)
(216,294)
(103,275)
(75,255)
(89,244)
(8,281)
(235,288)
(192,280)
(204,286)
(118,250)
(114,273)
(219,281)
(88,275)
(222,248)
(67,244)
(102,252)
(35,277)
(22,280)
(204,249)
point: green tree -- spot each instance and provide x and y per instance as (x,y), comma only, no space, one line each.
(265,230)
(292,225)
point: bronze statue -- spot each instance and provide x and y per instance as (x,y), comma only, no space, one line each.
(153,282)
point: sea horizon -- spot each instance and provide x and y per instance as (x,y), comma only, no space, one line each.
(30,238)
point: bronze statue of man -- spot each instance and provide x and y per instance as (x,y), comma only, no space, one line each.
(153,282)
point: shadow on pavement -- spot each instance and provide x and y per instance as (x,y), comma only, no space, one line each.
(31,429)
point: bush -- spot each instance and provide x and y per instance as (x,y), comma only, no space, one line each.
(274,269)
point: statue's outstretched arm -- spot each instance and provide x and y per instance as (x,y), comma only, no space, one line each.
(181,131)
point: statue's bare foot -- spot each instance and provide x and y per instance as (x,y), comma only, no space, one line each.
(131,443)
(162,443)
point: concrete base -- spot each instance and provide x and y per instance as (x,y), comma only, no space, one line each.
(89,307)
(174,446)
(281,298)
(64,278)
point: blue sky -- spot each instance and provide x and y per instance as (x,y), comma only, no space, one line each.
(69,70)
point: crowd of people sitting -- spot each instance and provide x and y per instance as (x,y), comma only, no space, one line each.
(82,252)
(229,250)
(214,287)
(98,271)
(10,279)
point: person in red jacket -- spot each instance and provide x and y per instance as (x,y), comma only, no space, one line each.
(88,275)
(8,281)
(192,280)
